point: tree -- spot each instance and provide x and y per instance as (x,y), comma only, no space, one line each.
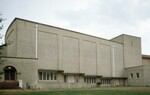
(1,19)
(1,47)
(1,25)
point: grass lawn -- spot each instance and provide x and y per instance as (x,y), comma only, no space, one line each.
(92,91)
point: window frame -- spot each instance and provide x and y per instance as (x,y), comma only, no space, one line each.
(131,75)
(47,76)
(137,75)
(90,80)
(106,81)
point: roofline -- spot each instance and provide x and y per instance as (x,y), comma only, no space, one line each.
(10,57)
(67,73)
(134,67)
(51,70)
(146,56)
(126,35)
(58,28)
(114,77)
(3,45)
(9,27)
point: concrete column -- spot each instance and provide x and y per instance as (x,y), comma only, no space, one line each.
(59,52)
(113,61)
(36,38)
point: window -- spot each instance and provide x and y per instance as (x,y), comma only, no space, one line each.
(131,76)
(55,78)
(51,76)
(76,78)
(10,73)
(85,80)
(47,76)
(137,75)
(90,80)
(65,78)
(106,81)
(40,75)
(43,75)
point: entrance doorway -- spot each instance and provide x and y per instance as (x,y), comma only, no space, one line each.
(10,73)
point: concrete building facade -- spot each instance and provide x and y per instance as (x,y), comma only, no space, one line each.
(43,56)
(139,75)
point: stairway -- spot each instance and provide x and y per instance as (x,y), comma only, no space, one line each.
(9,85)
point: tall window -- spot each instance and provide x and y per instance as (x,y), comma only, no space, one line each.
(51,76)
(40,75)
(131,75)
(65,78)
(137,75)
(47,75)
(55,76)
(44,75)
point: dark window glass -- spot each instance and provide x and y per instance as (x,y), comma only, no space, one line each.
(40,75)
(44,76)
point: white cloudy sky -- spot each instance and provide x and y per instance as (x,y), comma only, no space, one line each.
(102,18)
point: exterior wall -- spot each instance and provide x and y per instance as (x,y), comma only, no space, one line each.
(131,50)
(135,81)
(11,40)
(73,54)
(104,61)
(47,51)
(146,70)
(66,85)
(3,50)
(26,69)
(118,82)
(143,71)
(70,82)
(143,79)
(118,62)
(89,58)
(25,39)
(146,61)
(70,55)
(60,49)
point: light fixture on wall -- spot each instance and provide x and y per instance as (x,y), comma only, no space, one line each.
(9,67)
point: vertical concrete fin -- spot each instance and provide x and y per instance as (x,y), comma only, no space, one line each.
(36,30)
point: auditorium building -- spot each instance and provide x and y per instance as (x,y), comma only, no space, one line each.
(41,56)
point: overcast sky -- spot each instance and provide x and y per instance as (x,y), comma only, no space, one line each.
(102,18)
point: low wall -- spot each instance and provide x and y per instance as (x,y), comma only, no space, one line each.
(9,85)
(64,85)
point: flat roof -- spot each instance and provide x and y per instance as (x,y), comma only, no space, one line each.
(146,56)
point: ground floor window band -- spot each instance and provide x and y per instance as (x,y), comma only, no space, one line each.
(90,80)
(47,75)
